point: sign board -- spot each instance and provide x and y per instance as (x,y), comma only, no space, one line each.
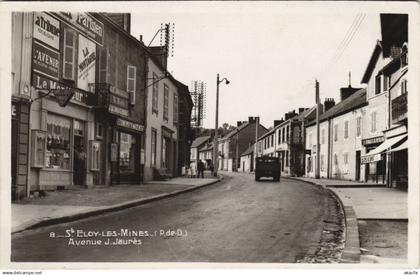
(47,29)
(84,23)
(130,125)
(43,83)
(63,96)
(114,152)
(371,158)
(117,110)
(374,140)
(86,63)
(44,60)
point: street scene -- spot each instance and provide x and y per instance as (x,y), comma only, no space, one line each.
(170,136)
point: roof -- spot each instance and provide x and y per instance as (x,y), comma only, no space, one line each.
(208,146)
(199,141)
(356,100)
(372,62)
(248,151)
(236,130)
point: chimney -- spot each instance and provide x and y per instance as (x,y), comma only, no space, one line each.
(302,110)
(277,122)
(141,38)
(346,92)
(238,124)
(251,119)
(395,51)
(328,104)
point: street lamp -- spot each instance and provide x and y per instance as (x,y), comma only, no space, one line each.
(215,149)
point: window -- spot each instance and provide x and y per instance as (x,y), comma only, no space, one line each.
(287,133)
(131,83)
(336,132)
(99,130)
(103,65)
(95,155)
(287,158)
(403,86)
(378,84)
(385,82)
(175,108)
(323,136)
(154,148)
(69,54)
(127,153)
(155,96)
(279,136)
(358,126)
(346,158)
(346,129)
(58,142)
(373,122)
(335,160)
(165,103)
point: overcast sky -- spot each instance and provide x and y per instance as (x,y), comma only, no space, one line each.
(270,52)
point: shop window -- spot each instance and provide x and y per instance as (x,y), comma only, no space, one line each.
(69,54)
(39,141)
(127,153)
(175,108)
(95,155)
(166,103)
(358,126)
(58,151)
(131,83)
(154,147)
(346,129)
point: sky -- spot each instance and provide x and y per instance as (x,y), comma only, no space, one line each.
(270,52)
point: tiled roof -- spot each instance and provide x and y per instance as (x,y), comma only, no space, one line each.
(248,151)
(356,100)
(200,140)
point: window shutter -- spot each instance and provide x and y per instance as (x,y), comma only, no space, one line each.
(131,83)
(104,66)
(69,54)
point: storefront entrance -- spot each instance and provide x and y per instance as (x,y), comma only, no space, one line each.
(128,167)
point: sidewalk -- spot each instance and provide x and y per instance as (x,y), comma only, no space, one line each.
(66,205)
(376,218)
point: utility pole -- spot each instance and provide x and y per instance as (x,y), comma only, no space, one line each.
(257,124)
(317,129)
(215,145)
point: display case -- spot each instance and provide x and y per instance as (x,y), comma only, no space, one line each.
(39,145)
(95,155)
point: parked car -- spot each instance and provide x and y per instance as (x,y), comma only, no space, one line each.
(267,167)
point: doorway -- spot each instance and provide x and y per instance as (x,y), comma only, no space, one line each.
(358,157)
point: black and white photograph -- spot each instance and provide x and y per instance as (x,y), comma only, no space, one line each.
(277,134)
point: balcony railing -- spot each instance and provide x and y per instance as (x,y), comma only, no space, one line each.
(399,108)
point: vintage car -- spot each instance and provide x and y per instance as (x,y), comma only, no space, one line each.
(267,167)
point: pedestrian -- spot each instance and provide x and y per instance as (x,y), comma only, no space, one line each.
(200,168)
(79,165)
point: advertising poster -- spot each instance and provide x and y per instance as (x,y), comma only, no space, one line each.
(86,63)
(47,29)
(45,61)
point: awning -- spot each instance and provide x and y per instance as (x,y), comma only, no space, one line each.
(403,146)
(375,154)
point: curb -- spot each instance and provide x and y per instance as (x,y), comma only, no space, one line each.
(351,252)
(106,209)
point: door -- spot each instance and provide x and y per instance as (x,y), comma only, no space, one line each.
(128,158)
(358,156)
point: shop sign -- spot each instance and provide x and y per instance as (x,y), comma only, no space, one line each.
(117,110)
(371,158)
(86,64)
(86,24)
(375,140)
(47,29)
(45,61)
(43,83)
(130,125)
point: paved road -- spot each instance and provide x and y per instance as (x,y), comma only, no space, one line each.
(237,220)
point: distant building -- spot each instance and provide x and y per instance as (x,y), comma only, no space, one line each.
(196,146)
(247,160)
(206,154)
(234,143)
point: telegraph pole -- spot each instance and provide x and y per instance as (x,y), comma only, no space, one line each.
(215,149)
(317,130)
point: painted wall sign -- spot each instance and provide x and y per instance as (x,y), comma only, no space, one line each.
(86,24)
(130,125)
(43,83)
(117,110)
(47,29)
(371,158)
(45,61)
(374,140)
(86,64)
